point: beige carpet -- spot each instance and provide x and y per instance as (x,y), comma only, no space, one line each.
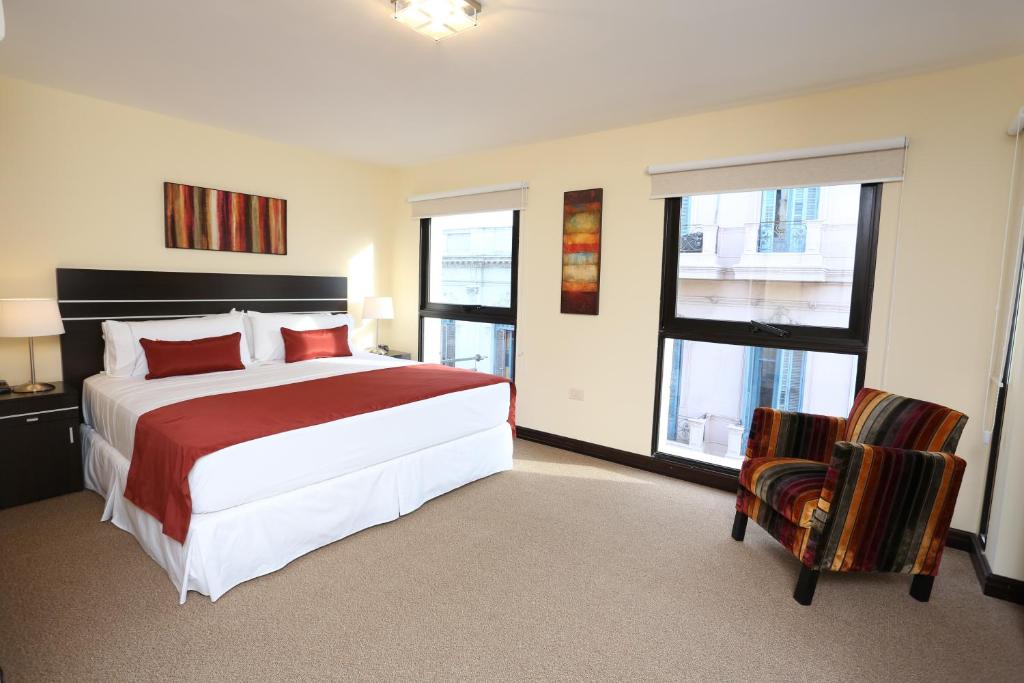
(566,568)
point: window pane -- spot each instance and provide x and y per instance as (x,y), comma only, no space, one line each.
(709,392)
(486,347)
(471,259)
(778,256)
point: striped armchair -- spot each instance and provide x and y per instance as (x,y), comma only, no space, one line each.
(872,492)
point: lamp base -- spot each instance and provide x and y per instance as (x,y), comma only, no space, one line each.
(32,388)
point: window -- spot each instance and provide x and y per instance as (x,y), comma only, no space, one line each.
(765,302)
(468,279)
(486,347)
(709,392)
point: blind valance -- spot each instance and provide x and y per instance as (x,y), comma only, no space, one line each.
(510,196)
(863,162)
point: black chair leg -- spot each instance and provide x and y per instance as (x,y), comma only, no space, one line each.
(805,585)
(739,526)
(921,587)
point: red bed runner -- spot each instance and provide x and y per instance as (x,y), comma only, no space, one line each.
(169,440)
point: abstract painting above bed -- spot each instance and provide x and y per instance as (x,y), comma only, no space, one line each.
(218,220)
(581,251)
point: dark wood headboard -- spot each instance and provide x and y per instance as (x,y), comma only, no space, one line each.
(88,297)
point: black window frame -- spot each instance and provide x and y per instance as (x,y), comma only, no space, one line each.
(852,340)
(472,312)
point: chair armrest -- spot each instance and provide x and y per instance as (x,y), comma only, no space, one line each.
(774,433)
(884,509)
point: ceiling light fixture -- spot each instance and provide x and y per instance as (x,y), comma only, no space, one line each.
(437,18)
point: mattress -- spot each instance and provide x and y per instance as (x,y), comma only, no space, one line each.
(284,462)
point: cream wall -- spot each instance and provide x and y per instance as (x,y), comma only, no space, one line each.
(947,264)
(81,184)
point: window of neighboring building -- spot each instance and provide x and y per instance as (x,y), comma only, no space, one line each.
(468,290)
(765,302)
(784,216)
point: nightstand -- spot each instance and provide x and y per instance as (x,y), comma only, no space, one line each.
(404,355)
(40,456)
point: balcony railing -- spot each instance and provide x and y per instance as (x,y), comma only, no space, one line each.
(779,237)
(692,242)
(476,358)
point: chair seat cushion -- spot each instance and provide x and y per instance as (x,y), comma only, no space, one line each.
(790,486)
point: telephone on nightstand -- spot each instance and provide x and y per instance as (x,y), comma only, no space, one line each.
(5,388)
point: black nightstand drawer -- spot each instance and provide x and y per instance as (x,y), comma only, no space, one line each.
(39,459)
(40,456)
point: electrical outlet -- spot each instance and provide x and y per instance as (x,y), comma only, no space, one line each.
(575,394)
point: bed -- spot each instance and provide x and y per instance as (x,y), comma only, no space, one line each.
(259,504)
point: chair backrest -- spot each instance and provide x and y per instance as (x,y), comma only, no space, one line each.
(879,418)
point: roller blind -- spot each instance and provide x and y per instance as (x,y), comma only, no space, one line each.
(863,162)
(510,196)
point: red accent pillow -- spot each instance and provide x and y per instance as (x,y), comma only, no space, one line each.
(193,357)
(327,343)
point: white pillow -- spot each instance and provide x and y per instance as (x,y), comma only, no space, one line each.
(118,350)
(247,324)
(268,344)
(123,355)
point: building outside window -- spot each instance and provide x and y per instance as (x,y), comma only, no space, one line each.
(467,308)
(782,257)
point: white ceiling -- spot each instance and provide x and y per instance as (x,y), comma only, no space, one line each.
(342,76)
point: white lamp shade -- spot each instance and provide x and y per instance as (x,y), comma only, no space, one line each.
(378,308)
(30,318)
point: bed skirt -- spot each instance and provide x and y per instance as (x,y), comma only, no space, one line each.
(229,547)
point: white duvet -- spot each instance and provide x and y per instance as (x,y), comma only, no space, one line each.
(288,461)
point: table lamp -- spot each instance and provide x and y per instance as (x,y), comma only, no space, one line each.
(378,308)
(30,318)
